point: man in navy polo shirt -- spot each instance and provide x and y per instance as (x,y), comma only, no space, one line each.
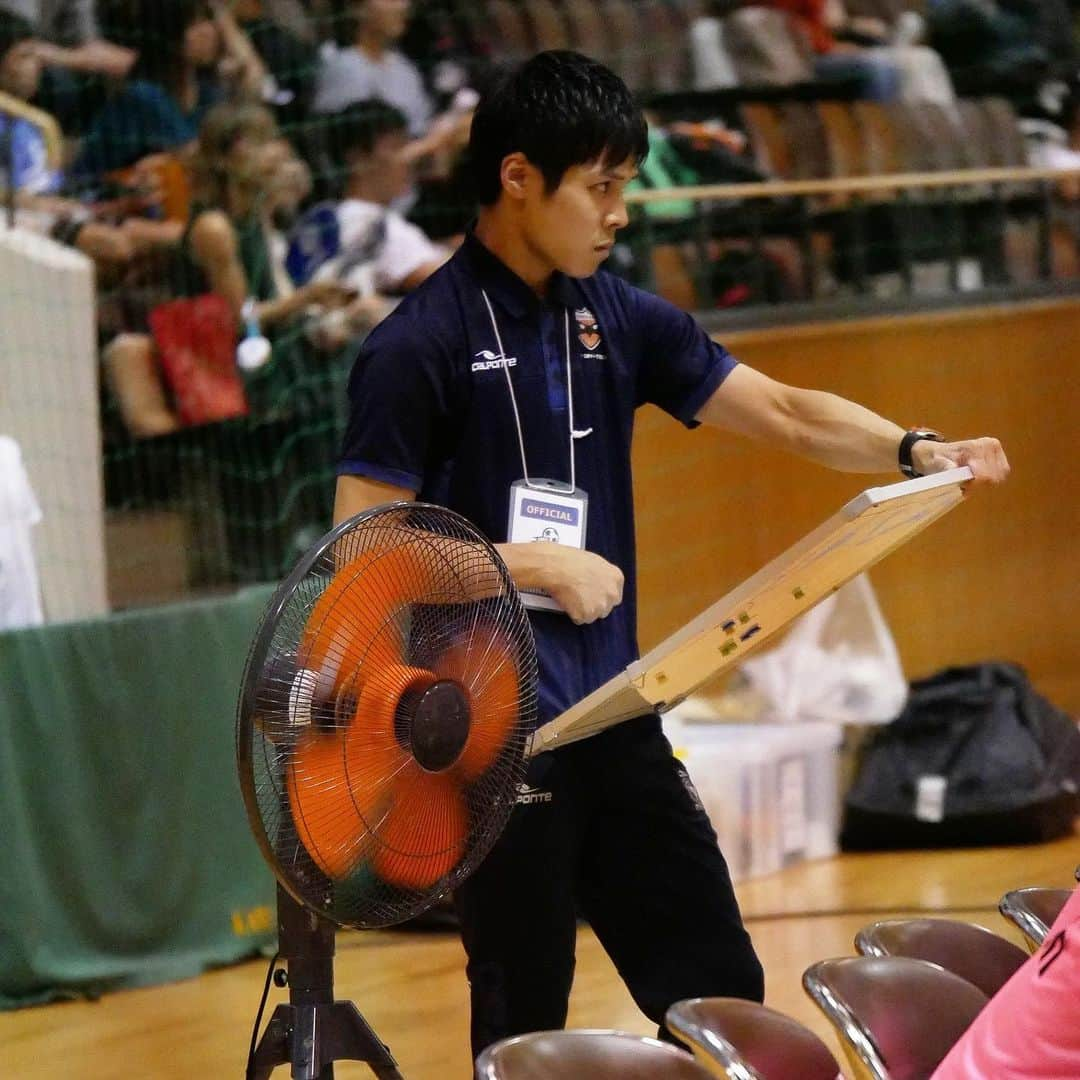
(505,388)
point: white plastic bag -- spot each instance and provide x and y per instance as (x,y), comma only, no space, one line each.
(838,663)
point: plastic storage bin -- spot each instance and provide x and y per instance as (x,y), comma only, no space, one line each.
(771,791)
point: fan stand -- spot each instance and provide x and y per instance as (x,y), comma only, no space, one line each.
(313,1030)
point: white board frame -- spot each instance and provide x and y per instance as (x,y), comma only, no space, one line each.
(871,526)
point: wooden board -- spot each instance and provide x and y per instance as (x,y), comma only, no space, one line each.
(868,528)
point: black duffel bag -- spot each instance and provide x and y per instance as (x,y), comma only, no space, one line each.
(976,757)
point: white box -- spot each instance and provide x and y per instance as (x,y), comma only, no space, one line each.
(770,790)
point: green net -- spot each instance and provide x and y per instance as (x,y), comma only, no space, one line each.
(245,115)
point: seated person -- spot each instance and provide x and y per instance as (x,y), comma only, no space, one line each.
(244,174)
(76,56)
(1031,1028)
(372,139)
(364,65)
(191,56)
(37,182)
(290,62)
(372,248)
(68,36)
(884,72)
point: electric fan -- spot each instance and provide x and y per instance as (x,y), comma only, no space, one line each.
(382,732)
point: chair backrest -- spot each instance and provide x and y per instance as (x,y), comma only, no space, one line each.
(588,31)
(978,134)
(668,35)
(764,1044)
(972,952)
(846,146)
(897,1017)
(769,141)
(595,1055)
(629,43)
(1033,911)
(550,30)
(513,40)
(916,150)
(805,132)
(1005,130)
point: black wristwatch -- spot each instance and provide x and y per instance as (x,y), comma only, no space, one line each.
(907,442)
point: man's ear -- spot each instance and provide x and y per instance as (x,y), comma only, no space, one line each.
(517,174)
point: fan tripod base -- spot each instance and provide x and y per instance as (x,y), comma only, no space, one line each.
(311,1038)
(313,1031)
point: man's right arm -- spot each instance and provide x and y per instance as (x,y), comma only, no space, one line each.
(584,584)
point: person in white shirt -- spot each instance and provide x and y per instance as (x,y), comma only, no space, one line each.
(379,250)
(364,65)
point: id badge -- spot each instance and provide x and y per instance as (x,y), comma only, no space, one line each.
(544,512)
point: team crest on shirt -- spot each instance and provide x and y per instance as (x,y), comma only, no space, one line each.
(588,328)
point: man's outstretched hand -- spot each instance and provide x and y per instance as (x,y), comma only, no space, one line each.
(984,457)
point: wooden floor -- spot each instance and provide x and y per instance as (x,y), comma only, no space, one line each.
(411,985)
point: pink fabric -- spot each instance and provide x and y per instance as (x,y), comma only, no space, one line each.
(1031,1028)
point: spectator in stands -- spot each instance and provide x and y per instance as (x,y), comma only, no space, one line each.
(243,173)
(192,55)
(68,36)
(36,181)
(885,70)
(364,64)
(377,252)
(78,60)
(372,138)
(290,61)
(878,78)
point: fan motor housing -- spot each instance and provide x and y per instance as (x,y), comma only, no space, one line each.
(433,720)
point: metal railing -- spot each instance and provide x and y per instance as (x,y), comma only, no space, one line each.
(847,228)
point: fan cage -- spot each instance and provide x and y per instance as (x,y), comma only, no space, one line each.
(404,594)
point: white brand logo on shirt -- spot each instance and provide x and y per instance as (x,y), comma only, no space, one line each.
(527,795)
(489,361)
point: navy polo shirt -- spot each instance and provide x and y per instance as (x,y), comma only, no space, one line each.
(430,411)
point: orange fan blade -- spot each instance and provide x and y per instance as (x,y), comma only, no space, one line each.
(329,627)
(328,822)
(485,668)
(351,626)
(337,781)
(425,832)
(373,756)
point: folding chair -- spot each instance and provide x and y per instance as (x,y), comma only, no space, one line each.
(896,1017)
(742,1040)
(1033,911)
(596,1055)
(972,952)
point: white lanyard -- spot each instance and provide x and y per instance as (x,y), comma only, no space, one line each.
(513,399)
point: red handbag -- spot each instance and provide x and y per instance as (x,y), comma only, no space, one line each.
(196,344)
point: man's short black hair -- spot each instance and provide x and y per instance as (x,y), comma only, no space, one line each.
(559,109)
(13,30)
(357,128)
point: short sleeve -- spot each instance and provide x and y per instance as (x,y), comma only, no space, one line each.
(336,82)
(401,394)
(680,365)
(406,249)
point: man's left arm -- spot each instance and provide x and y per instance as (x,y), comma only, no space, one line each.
(836,432)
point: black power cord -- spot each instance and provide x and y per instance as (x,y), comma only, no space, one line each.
(249,1073)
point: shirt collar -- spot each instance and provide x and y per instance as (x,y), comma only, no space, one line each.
(507,289)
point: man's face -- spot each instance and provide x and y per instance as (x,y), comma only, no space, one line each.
(573,228)
(20,71)
(385,18)
(202,45)
(389,167)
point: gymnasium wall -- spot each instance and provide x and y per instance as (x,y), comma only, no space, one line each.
(999,578)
